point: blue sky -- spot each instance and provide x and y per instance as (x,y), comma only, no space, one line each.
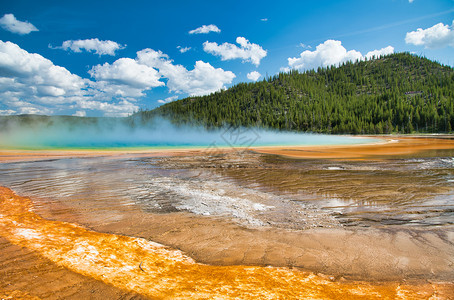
(111,58)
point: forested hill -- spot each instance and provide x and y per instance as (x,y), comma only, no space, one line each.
(396,93)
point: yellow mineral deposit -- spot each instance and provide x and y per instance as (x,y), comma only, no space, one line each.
(153,270)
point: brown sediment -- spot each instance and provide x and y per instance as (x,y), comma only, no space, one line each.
(9,156)
(152,270)
(391,146)
(16,295)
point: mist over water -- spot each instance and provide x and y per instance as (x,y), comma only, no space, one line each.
(70,132)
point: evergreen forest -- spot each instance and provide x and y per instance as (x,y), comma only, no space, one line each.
(398,93)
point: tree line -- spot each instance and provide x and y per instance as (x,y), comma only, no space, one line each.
(398,93)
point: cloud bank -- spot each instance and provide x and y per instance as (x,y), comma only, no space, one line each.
(11,24)
(437,36)
(247,52)
(32,84)
(203,79)
(92,45)
(329,53)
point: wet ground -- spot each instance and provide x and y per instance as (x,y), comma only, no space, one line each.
(381,219)
(251,189)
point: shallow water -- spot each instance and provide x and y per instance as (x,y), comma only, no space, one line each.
(251,189)
(60,136)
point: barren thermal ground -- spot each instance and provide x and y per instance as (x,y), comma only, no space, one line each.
(235,223)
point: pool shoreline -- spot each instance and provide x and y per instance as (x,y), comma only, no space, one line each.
(387,145)
(30,235)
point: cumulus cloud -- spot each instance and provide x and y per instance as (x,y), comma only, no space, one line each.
(248,52)
(37,77)
(128,72)
(377,53)
(7,112)
(130,78)
(123,108)
(203,79)
(205,29)
(254,75)
(183,49)
(10,23)
(437,36)
(80,113)
(24,107)
(32,84)
(91,45)
(330,53)
(168,99)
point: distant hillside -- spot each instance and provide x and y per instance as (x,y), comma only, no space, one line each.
(396,93)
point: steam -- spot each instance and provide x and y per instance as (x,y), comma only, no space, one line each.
(41,132)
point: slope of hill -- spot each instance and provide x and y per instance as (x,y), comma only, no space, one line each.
(396,93)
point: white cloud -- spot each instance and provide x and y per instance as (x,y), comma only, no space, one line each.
(254,75)
(205,29)
(411,1)
(10,23)
(92,45)
(330,53)
(33,110)
(203,79)
(183,49)
(121,109)
(32,84)
(168,99)
(248,52)
(24,107)
(36,77)
(264,19)
(304,46)
(377,53)
(7,112)
(128,72)
(80,113)
(437,36)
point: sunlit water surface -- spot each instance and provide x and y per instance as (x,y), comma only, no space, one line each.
(250,189)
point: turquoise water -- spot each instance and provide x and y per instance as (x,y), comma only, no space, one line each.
(183,139)
(59,136)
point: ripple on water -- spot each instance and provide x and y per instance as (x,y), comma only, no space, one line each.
(252,189)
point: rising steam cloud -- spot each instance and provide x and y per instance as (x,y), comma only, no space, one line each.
(40,132)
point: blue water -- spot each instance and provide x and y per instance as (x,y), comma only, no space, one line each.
(163,137)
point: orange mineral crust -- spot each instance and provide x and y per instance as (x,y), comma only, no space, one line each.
(391,146)
(155,271)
